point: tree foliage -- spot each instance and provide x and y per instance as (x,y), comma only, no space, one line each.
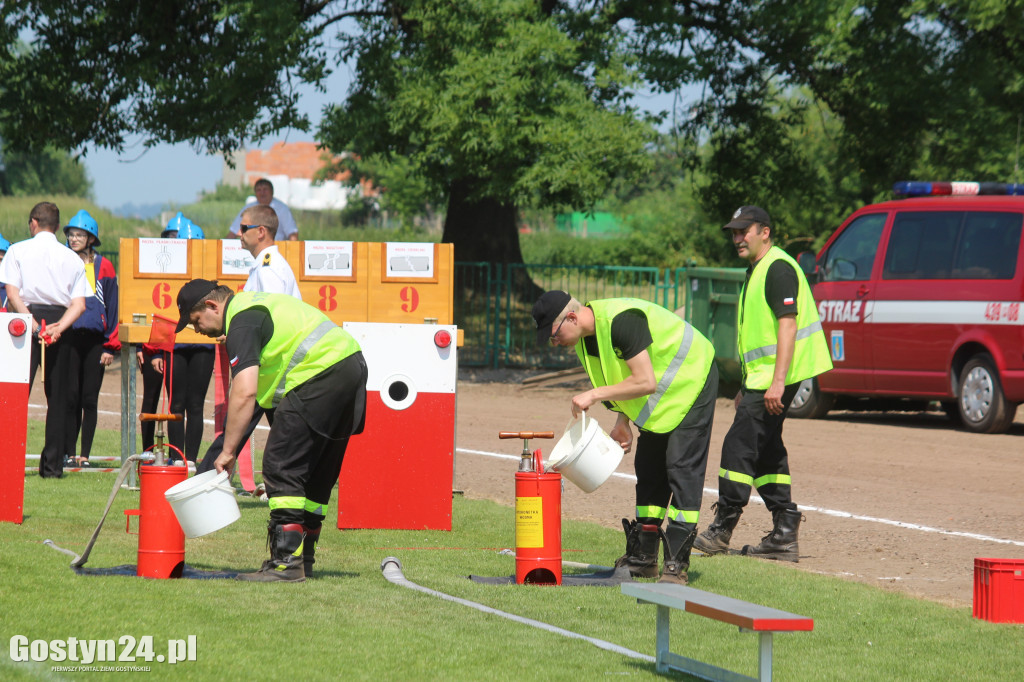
(44,173)
(494,105)
(900,88)
(487,106)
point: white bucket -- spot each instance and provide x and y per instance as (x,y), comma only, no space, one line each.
(585,454)
(204,503)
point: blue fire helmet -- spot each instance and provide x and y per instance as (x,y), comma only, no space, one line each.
(177,222)
(190,230)
(4,244)
(83,221)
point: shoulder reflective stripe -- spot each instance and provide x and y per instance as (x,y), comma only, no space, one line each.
(735,476)
(777,479)
(667,378)
(287,503)
(300,353)
(650,512)
(683,515)
(314,507)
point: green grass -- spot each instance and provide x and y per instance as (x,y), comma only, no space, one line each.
(213,216)
(350,623)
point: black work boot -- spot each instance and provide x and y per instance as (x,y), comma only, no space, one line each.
(677,560)
(309,549)
(641,557)
(781,542)
(715,540)
(285,563)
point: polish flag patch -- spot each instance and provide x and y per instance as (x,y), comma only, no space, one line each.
(234,361)
(788,301)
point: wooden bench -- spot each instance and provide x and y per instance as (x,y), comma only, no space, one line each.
(745,615)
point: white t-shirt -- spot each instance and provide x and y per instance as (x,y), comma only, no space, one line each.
(45,271)
(272,274)
(285,222)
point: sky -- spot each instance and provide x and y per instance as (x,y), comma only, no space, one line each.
(176,173)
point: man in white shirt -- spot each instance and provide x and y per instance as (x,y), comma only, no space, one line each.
(271,273)
(264,191)
(45,278)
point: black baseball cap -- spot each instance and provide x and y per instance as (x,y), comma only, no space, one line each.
(546,310)
(745,216)
(188,296)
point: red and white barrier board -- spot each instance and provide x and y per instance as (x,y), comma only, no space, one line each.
(398,472)
(15,359)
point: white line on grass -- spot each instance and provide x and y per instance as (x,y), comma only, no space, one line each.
(806,507)
(261,427)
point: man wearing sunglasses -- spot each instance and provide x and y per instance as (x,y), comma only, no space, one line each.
(271,271)
(271,274)
(657,372)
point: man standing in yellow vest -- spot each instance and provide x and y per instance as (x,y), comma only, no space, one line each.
(780,344)
(657,372)
(308,374)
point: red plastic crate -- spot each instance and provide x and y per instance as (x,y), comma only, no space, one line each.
(999,590)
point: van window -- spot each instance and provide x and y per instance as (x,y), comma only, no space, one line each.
(852,256)
(989,246)
(953,245)
(921,245)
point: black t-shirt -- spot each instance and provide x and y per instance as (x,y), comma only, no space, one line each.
(780,288)
(251,330)
(630,334)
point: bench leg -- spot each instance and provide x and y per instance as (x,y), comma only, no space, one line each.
(661,648)
(764,662)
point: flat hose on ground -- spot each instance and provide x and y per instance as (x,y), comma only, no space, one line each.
(79,561)
(392,570)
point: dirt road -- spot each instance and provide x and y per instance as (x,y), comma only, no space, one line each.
(900,501)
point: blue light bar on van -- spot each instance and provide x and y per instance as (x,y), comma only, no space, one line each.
(934,189)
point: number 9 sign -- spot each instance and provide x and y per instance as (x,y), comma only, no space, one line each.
(411,298)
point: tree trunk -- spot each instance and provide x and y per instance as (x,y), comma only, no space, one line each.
(482,230)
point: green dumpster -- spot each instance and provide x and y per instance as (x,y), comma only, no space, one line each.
(712,295)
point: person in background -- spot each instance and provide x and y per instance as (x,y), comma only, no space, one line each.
(93,336)
(45,278)
(192,369)
(152,378)
(4,245)
(317,394)
(658,373)
(270,273)
(781,343)
(264,191)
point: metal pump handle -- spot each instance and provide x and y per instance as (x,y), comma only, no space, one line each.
(526,434)
(146,417)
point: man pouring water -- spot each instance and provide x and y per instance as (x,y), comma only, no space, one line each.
(658,373)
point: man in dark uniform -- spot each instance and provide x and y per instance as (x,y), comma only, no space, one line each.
(781,343)
(45,278)
(310,377)
(657,372)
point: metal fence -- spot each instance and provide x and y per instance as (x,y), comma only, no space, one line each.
(493,303)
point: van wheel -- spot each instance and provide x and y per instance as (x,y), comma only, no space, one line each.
(809,402)
(983,407)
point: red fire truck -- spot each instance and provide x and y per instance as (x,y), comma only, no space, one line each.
(920,299)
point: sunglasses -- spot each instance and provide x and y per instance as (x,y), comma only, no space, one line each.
(242,228)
